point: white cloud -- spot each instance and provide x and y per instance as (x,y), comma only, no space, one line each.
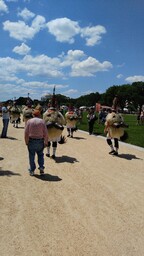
(89,67)
(21,31)
(70,92)
(43,85)
(26,14)
(74,64)
(38,23)
(36,89)
(23,49)
(132,79)
(75,54)
(8,66)
(3,7)
(6,77)
(119,76)
(10,90)
(93,34)
(87,92)
(81,65)
(63,29)
(71,57)
(40,65)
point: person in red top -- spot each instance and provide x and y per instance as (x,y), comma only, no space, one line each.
(36,139)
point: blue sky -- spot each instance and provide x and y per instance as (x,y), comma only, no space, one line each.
(78,46)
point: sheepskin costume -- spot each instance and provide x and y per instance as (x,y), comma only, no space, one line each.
(15,115)
(71,121)
(27,112)
(114,126)
(55,122)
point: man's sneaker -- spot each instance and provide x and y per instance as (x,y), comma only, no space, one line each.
(112,152)
(41,170)
(31,172)
(53,156)
(48,155)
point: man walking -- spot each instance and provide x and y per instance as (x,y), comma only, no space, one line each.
(36,138)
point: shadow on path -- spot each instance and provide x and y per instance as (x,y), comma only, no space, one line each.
(9,138)
(47,177)
(8,173)
(78,138)
(129,156)
(20,127)
(67,159)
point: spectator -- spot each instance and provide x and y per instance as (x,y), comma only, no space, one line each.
(36,138)
(5,119)
(142,117)
(115,104)
(91,120)
(138,118)
(102,116)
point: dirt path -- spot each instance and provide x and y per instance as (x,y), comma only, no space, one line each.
(87,203)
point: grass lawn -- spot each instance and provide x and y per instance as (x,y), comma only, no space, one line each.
(135,132)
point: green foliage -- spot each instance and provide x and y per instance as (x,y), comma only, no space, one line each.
(135,132)
(133,93)
(88,100)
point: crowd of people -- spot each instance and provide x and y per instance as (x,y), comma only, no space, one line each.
(44,128)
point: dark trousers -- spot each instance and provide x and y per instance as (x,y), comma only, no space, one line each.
(91,126)
(5,128)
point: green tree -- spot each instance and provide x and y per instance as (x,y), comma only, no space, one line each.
(138,94)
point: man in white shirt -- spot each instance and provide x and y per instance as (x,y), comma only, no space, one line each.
(5,119)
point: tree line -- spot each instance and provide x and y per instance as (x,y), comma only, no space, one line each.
(129,95)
